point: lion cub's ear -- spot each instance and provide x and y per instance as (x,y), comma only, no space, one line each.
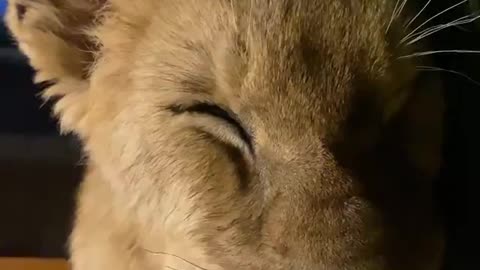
(53,35)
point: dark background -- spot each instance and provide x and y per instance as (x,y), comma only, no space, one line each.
(40,171)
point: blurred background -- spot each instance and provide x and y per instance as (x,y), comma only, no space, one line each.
(40,170)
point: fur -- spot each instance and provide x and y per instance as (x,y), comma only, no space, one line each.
(341,140)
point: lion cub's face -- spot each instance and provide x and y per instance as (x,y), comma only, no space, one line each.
(259,134)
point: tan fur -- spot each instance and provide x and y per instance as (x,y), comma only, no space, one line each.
(345,139)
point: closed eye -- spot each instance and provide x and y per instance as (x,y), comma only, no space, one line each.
(217,112)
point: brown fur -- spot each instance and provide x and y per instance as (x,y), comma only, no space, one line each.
(345,138)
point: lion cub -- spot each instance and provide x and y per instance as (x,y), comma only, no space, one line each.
(242,134)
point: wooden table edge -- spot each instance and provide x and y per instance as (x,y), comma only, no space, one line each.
(33,264)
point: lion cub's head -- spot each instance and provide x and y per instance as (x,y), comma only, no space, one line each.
(266,134)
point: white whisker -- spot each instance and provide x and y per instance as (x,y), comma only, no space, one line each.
(396,12)
(175,256)
(400,10)
(433,17)
(430,68)
(439,26)
(463,28)
(438,52)
(442,27)
(393,16)
(418,14)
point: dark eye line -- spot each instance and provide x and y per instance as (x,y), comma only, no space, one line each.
(215,111)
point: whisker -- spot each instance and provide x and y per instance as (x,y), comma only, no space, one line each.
(463,28)
(418,14)
(175,256)
(393,16)
(400,10)
(430,68)
(433,17)
(442,27)
(438,52)
(439,26)
(402,7)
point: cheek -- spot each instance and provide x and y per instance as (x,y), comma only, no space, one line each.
(179,184)
(199,183)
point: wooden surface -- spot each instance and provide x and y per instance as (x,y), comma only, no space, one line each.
(33,264)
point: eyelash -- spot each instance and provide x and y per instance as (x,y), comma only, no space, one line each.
(215,111)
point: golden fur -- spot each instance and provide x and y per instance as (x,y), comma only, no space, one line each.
(326,162)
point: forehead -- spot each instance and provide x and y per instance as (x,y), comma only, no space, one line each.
(279,58)
(308,59)
(316,35)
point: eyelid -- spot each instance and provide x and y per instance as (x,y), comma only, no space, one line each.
(215,111)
